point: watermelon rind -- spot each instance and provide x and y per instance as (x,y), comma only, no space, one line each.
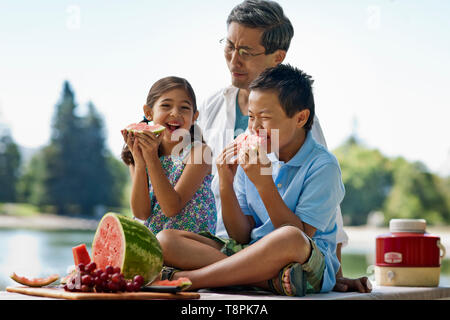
(142,253)
(182,283)
(36,282)
(157,130)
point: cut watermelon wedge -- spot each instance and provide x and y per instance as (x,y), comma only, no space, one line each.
(141,127)
(180,284)
(35,282)
(81,255)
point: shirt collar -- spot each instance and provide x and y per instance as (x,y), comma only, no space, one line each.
(299,158)
(230,90)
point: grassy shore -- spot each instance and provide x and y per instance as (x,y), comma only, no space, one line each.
(27,216)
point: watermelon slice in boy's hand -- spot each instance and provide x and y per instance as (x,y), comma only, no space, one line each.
(254,142)
(142,126)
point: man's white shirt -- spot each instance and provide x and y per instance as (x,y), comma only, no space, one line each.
(217,116)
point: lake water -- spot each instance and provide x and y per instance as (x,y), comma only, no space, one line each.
(34,253)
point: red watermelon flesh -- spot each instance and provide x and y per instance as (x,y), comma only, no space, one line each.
(108,248)
(182,283)
(253,141)
(81,255)
(142,126)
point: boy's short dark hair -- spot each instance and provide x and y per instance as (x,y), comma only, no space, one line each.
(294,89)
(269,16)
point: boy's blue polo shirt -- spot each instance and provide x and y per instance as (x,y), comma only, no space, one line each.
(311,186)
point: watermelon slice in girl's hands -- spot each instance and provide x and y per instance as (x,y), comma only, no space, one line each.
(142,126)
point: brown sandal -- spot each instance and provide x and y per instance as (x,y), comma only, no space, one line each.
(297,280)
(167,273)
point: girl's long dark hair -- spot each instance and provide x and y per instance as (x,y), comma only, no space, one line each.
(156,91)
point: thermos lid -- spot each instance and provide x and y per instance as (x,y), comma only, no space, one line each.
(407,225)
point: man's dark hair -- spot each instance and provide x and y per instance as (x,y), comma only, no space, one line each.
(267,15)
(294,88)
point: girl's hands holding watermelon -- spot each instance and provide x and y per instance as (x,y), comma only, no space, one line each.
(149,143)
(130,140)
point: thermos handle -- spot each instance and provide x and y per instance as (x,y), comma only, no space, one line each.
(441,247)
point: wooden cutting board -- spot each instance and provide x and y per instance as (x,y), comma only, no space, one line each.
(62,294)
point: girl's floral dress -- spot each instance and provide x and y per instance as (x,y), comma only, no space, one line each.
(199,214)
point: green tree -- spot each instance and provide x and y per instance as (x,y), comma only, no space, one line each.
(9,167)
(62,158)
(444,186)
(103,180)
(75,173)
(416,194)
(120,188)
(367,177)
(94,172)
(31,187)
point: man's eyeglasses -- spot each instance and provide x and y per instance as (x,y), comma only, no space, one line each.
(245,54)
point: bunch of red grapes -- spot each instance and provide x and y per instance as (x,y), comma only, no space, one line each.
(87,278)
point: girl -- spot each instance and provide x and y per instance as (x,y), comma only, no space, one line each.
(164,167)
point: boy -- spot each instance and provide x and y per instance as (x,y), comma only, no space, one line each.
(281,225)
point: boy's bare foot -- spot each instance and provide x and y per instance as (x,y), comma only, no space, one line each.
(286,282)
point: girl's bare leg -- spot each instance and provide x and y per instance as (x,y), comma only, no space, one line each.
(253,265)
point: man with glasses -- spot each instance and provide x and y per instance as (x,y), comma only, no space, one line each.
(258,37)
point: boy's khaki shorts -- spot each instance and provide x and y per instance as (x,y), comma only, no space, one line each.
(314,267)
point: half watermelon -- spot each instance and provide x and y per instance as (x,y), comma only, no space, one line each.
(142,126)
(126,243)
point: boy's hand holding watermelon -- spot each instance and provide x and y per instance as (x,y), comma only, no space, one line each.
(252,155)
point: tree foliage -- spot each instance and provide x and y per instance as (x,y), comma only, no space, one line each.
(398,188)
(9,167)
(416,194)
(75,173)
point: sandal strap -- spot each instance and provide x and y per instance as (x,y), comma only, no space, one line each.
(272,287)
(282,276)
(298,280)
(280,279)
(168,272)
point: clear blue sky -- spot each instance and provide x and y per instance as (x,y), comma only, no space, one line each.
(384,63)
